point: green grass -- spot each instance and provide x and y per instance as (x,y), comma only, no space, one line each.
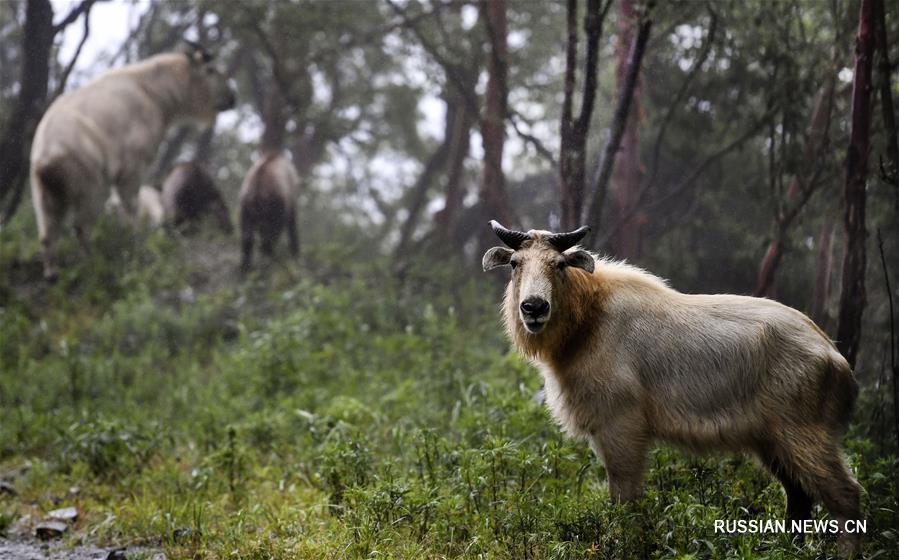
(328,410)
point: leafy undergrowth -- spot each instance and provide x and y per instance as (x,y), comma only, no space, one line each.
(326,409)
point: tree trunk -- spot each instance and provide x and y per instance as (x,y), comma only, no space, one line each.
(628,171)
(494,201)
(460,142)
(37,43)
(890,169)
(622,110)
(823,273)
(273,117)
(852,298)
(418,193)
(573,132)
(797,194)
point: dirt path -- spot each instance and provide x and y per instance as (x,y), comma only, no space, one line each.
(38,550)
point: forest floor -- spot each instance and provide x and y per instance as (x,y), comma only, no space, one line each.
(328,408)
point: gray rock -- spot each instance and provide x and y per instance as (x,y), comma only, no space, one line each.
(67,514)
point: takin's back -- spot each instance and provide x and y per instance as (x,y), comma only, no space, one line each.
(117,113)
(712,368)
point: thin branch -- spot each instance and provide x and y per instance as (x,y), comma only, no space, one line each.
(679,97)
(61,86)
(73,16)
(514,117)
(453,71)
(690,179)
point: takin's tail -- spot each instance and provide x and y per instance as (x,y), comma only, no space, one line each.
(53,180)
(841,393)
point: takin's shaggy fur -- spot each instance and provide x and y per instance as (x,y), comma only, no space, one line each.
(628,360)
(189,194)
(104,134)
(268,205)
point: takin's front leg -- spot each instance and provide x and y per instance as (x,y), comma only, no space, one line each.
(128,194)
(623,446)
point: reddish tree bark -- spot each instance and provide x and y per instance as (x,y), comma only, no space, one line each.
(797,193)
(629,170)
(573,132)
(494,200)
(852,296)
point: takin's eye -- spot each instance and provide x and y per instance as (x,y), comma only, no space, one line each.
(561,264)
(513,263)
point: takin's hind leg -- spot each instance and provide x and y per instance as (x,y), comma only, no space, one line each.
(623,446)
(50,211)
(822,469)
(799,502)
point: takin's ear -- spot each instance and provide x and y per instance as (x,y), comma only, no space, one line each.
(497,256)
(580,259)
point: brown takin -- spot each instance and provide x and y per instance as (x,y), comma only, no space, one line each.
(268,206)
(189,194)
(104,134)
(627,361)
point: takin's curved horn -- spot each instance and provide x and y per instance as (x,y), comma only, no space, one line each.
(513,239)
(565,241)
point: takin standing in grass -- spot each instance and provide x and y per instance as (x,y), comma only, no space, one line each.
(104,134)
(627,360)
(189,194)
(268,205)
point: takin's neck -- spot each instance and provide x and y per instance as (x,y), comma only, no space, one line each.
(572,324)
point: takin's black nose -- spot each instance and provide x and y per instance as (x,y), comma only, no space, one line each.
(534,307)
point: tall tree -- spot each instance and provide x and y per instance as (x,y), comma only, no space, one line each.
(573,131)
(853,297)
(37,44)
(35,74)
(628,173)
(802,186)
(495,202)
(619,121)
(460,140)
(889,169)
